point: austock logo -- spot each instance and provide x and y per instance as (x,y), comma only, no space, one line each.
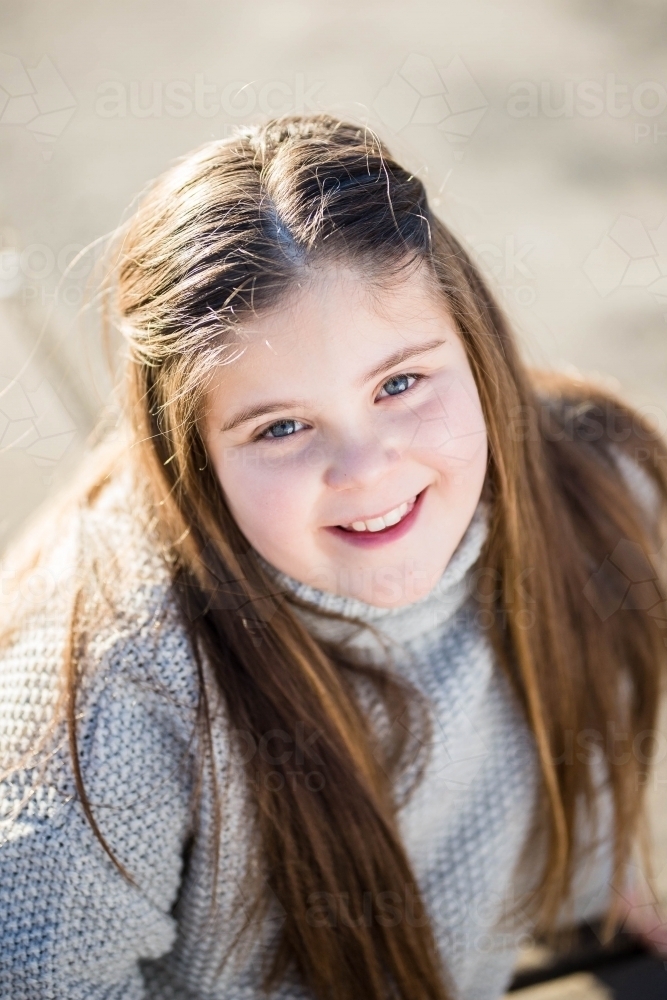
(37,98)
(419,94)
(628,580)
(630,256)
(34,421)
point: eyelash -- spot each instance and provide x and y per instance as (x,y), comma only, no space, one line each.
(418,377)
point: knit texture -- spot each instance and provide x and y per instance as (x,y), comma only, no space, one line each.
(72,928)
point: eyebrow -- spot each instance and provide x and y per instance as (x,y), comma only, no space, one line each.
(263,409)
(402,354)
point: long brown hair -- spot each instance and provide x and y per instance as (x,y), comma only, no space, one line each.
(227,231)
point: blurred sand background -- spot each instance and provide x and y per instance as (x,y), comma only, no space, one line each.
(539,127)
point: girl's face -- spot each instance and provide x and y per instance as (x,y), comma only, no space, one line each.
(348,437)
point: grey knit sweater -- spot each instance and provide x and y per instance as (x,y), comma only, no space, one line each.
(72,927)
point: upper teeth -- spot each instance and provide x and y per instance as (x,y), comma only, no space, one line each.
(378,523)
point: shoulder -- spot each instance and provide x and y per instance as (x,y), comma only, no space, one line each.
(600,438)
(100,570)
(643,488)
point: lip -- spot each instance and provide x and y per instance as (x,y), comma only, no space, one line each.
(373,539)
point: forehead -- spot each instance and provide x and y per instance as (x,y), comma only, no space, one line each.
(335,319)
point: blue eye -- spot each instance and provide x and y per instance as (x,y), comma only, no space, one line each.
(398,384)
(281,428)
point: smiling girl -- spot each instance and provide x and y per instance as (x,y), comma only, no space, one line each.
(308,682)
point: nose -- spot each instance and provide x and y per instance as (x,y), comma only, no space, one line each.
(359,464)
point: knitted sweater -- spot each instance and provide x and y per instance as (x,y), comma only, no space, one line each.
(72,928)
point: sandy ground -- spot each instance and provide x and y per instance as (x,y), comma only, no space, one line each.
(540,128)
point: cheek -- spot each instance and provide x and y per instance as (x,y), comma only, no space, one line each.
(450,433)
(270,498)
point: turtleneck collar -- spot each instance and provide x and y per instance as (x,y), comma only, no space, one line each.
(400,624)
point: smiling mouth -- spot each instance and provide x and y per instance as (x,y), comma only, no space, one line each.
(380,522)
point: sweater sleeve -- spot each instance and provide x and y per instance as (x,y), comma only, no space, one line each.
(71,926)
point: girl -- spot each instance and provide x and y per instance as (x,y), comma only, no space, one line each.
(308,684)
